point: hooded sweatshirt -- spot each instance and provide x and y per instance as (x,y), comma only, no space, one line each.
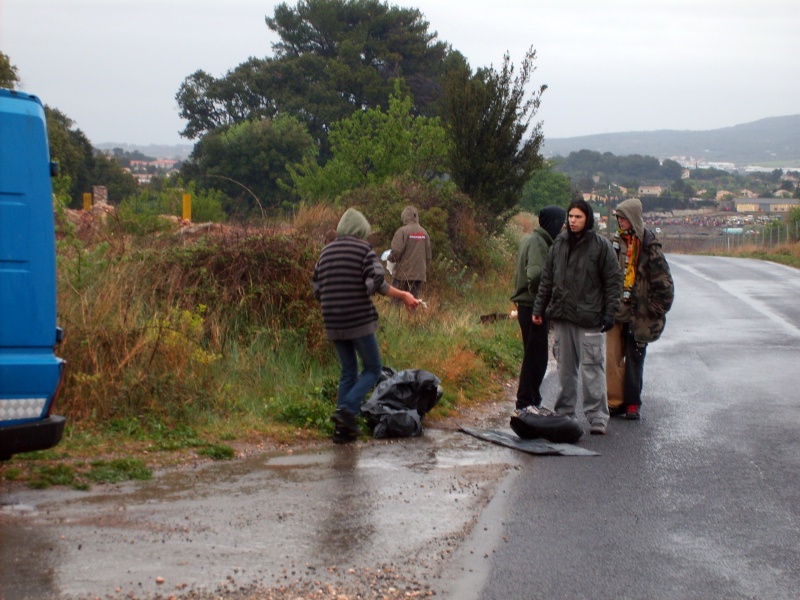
(653,290)
(347,273)
(533,253)
(411,248)
(581,282)
(631,209)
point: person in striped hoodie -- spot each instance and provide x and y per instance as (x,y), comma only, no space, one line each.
(346,276)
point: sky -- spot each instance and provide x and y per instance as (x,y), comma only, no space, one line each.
(115,66)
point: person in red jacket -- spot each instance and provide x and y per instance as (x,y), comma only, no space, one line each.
(411,253)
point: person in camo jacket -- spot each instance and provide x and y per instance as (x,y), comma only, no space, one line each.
(411,253)
(647,295)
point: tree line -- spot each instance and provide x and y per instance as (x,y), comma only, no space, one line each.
(595,172)
(268,130)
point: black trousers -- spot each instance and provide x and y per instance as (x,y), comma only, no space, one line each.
(634,368)
(534,359)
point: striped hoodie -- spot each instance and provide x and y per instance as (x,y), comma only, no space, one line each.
(347,273)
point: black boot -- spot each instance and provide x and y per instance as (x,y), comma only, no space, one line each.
(345,426)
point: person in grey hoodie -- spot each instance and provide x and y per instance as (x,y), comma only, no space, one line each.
(530,262)
(411,253)
(345,277)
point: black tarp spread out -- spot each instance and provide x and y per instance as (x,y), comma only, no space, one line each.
(537,446)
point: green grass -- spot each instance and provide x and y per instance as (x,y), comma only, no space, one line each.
(80,476)
(217,452)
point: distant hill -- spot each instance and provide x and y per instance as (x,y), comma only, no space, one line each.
(178,152)
(769,142)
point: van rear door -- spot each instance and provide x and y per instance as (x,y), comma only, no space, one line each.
(30,373)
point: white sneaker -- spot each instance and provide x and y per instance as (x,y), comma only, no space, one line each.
(539,411)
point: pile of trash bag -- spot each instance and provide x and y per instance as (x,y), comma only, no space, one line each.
(400,401)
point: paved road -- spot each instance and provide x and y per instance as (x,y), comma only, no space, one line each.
(700,499)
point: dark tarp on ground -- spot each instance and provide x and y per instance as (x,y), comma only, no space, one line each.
(538,446)
(400,400)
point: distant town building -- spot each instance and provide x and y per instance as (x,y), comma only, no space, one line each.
(791,177)
(723,194)
(142,178)
(650,190)
(765,205)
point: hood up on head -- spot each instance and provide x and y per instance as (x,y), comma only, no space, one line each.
(552,219)
(583,206)
(410,215)
(631,209)
(354,223)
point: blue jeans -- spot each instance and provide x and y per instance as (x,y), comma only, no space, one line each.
(352,385)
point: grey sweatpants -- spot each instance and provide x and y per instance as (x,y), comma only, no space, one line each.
(579,349)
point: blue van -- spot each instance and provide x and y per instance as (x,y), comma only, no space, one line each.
(30,372)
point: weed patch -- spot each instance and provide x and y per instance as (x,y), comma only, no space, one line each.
(217,452)
(117,470)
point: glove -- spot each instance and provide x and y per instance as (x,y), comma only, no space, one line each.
(608,323)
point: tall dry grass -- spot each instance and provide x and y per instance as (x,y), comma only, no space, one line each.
(219,332)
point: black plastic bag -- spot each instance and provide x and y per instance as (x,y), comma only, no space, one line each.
(401,399)
(559,429)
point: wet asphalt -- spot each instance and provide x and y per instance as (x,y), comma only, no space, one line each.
(346,514)
(698,500)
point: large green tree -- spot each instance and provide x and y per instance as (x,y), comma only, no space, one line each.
(547,187)
(333,57)
(248,162)
(495,149)
(375,145)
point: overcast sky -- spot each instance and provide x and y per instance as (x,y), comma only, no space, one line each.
(114,66)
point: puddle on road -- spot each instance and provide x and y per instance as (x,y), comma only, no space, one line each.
(263,520)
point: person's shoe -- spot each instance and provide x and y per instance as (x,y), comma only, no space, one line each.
(632,412)
(598,429)
(540,411)
(340,437)
(617,411)
(345,425)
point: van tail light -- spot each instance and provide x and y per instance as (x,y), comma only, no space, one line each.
(61,373)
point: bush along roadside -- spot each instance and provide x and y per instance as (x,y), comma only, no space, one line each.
(181,345)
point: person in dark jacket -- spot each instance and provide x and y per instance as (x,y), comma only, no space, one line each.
(410,253)
(345,277)
(580,291)
(647,295)
(530,262)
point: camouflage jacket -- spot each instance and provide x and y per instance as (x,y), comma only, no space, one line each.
(653,292)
